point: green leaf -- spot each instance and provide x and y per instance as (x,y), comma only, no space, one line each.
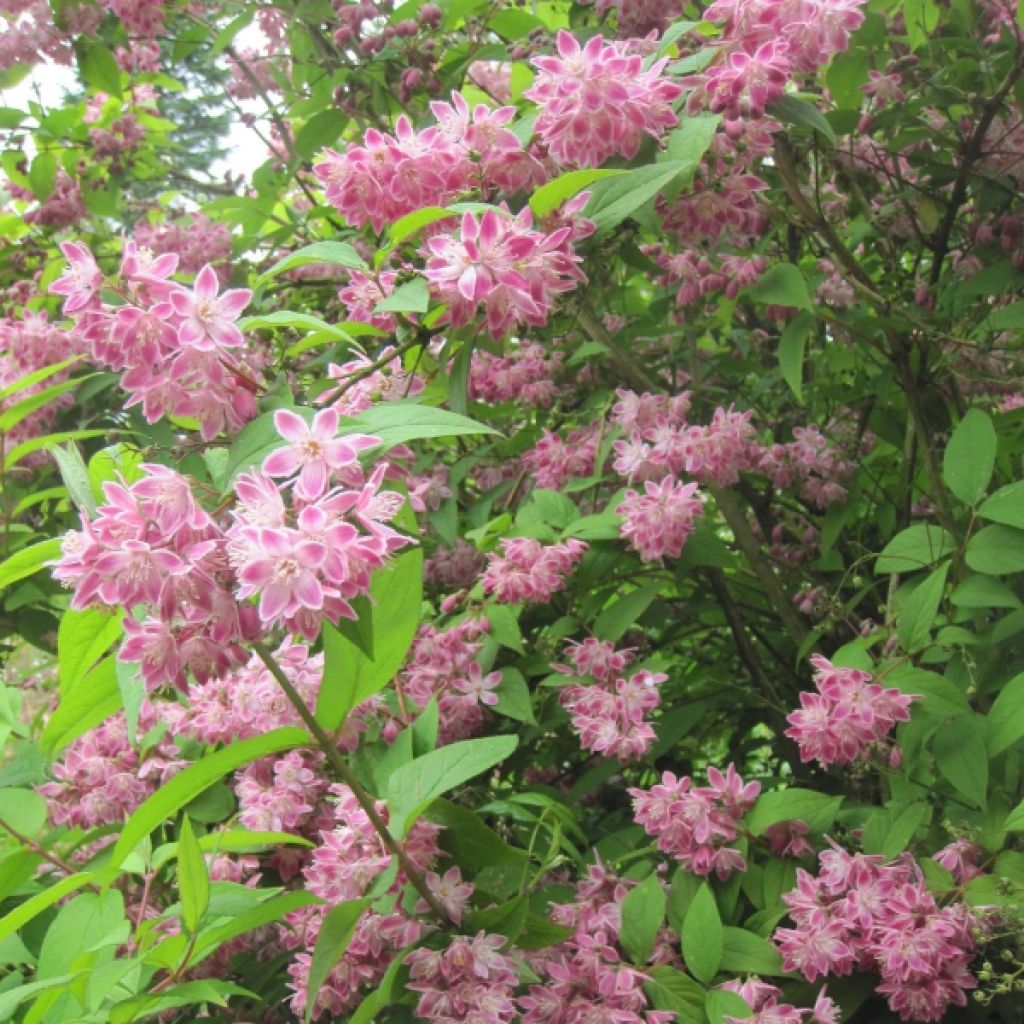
(297,321)
(75,475)
(24,407)
(888,831)
(408,225)
(83,637)
(551,195)
(336,253)
(996,550)
(514,697)
(42,177)
(921,18)
(941,697)
(747,953)
(916,547)
(984,592)
(400,422)
(1015,819)
(269,911)
(1005,506)
(1006,717)
(412,787)
(504,622)
(411,297)
(791,352)
(335,934)
(643,913)
(28,561)
(33,907)
(970,457)
(13,998)
(917,615)
(703,936)
(672,991)
(24,810)
(787,805)
(613,200)
(724,1006)
(93,700)
(793,110)
(350,675)
(782,285)
(30,379)
(195,779)
(132,690)
(961,757)
(322,129)
(190,993)
(99,68)
(193,879)
(618,617)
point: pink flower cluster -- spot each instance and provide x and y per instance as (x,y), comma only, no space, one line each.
(811,461)
(102,777)
(195,240)
(454,568)
(524,373)
(659,521)
(609,714)
(27,345)
(696,824)
(350,856)
(764,45)
(177,348)
(636,18)
(390,176)
(308,562)
(587,977)
(471,979)
(848,715)
(502,263)
(598,101)
(527,570)
(359,386)
(554,461)
(152,546)
(442,665)
(862,913)
(362,293)
(765,1000)
(280,794)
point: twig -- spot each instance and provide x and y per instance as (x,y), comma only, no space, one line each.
(345,773)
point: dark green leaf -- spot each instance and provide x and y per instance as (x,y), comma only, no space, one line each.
(970,457)
(703,935)
(643,914)
(335,934)
(782,285)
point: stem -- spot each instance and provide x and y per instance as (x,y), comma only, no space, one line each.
(747,543)
(627,365)
(51,858)
(345,773)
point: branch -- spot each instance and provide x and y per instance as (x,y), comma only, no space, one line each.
(345,773)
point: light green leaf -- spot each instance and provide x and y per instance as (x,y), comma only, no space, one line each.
(551,195)
(269,911)
(193,879)
(917,615)
(514,697)
(619,616)
(350,675)
(93,700)
(960,755)
(1005,506)
(24,810)
(970,457)
(791,352)
(335,934)
(195,779)
(613,200)
(643,914)
(996,550)
(702,935)
(782,285)
(28,561)
(411,297)
(412,787)
(83,637)
(788,805)
(400,422)
(916,547)
(747,953)
(322,129)
(75,475)
(336,253)
(1006,717)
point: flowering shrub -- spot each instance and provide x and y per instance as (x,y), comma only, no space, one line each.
(546,545)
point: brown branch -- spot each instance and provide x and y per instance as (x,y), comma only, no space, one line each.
(345,773)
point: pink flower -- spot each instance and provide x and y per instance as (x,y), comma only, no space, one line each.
(658,522)
(598,101)
(315,452)
(500,261)
(284,574)
(530,571)
(208,319)
(81,280)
